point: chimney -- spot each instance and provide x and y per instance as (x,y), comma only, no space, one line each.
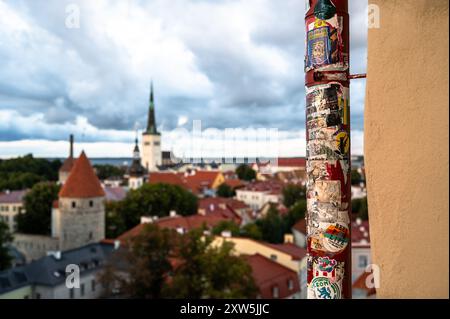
(71,146)
(288,238)
(56,254)
(173,213)
(116,244)
(146,220)
(225,234)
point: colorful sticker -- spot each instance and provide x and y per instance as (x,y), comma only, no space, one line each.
(324,44)
(336,237)
(342,142)
(327,278)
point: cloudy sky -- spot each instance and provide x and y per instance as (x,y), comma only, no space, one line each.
(227,63)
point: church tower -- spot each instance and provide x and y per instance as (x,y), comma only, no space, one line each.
(151,140)
(79,216)
(136,172)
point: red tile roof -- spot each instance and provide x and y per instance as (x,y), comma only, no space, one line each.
(270,186)
(82,181)
(269,274)
(360,232)
(234,182)
(12,197)
(292,162)
(296,252)
(195,181)
(360,283)
(186,223)
(208,202)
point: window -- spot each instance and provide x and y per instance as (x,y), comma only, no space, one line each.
(275,292)
(290,284)
(71,293)
(74,204)
(38,296)
(90,235)
(82,290)
(93,285)
(91,203)
(273,257)
(362,261)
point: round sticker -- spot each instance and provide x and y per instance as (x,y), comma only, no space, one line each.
(335,237)
(325,289)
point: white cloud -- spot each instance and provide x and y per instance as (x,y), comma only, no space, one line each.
(227,63)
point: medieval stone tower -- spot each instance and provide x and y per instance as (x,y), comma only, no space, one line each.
(79,216)
(151,140)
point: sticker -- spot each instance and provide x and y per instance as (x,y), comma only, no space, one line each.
(323,288)
(322,212)
(317,124)
(342,142)
(321,150)
(322,134)
(327,276)
(336,238)
(323,98)
(324,44)
(328,192)
(317,170)
(319,47)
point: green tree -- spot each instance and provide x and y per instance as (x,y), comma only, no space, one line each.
(24,172)
(38,206)
(160,263)
(271,226)
(148,259)
(224,190)
(360,208)
(5,238)
(293,193)
(114,222)
(245,172)
(226,225)
(356,177)
(105,171)
(252,230)
(150,200)
(295,213)
(208,271)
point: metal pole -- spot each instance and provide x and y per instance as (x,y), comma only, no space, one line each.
(328,150)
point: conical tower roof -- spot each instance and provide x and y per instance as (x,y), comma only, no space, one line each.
(82,181)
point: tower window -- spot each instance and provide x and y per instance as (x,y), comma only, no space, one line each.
(91,203)
(74,204)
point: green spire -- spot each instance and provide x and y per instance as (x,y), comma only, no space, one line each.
(151,122)
(324,9)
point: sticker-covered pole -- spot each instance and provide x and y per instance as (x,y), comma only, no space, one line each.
(328,149)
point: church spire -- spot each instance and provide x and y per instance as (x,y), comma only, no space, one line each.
(151,122)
